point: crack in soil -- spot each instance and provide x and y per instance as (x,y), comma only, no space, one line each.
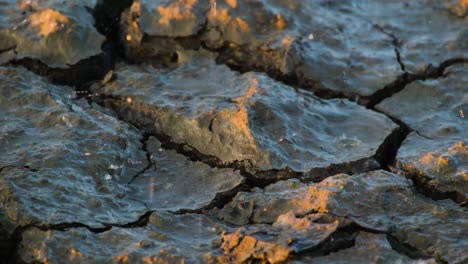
(396,42)
(422,184)
(84,72)
(10,254)
(345,237)
(411,251)
(151,163)
(403,80)
(107,16)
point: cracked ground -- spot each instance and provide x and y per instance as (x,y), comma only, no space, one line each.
(233,131)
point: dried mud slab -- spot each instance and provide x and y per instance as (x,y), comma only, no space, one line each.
(244,117)
(432,32)
(322,44)
(57,34)
(61,161)
(176,183)
(369,248)
(165,239)
(378,201)
(333,46)
(437,110)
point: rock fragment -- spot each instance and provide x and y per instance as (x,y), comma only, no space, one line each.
(52,33)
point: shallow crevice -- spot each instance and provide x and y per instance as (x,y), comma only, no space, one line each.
(405,79)
(422,184)
(409,250)
(343,238)
(396,42)
(151,163)
(219,201)
(399,59)
(12,48)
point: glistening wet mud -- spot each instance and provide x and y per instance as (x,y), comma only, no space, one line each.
(233,131)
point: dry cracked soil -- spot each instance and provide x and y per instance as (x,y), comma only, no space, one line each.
(233,131)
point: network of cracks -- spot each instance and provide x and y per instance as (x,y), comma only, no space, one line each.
(234,131)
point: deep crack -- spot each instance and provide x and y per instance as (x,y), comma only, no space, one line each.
(10,245)
(343,238)
(403,80)
(422,184)
(409,250)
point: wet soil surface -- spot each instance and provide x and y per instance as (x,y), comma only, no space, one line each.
(233,131)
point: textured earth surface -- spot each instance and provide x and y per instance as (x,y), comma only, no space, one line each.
(233,131)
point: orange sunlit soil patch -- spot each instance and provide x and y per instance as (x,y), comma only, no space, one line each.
(180,10)
(464,3)
(287,41)
(75,254)
(240,248)
(232,3)
(122,258)
(440,163)
(48,21)
(221,16)
(241,119)
(280,22)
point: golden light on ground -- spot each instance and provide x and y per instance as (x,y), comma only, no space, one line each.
(242,24)
(128,37)
(122,258)
(75,254)
(241,119)
(48,21)
(232,3)
(287,41)
(428,158)
(241,248)
(221,17)
(180,10)
(280,22)
(129,100)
